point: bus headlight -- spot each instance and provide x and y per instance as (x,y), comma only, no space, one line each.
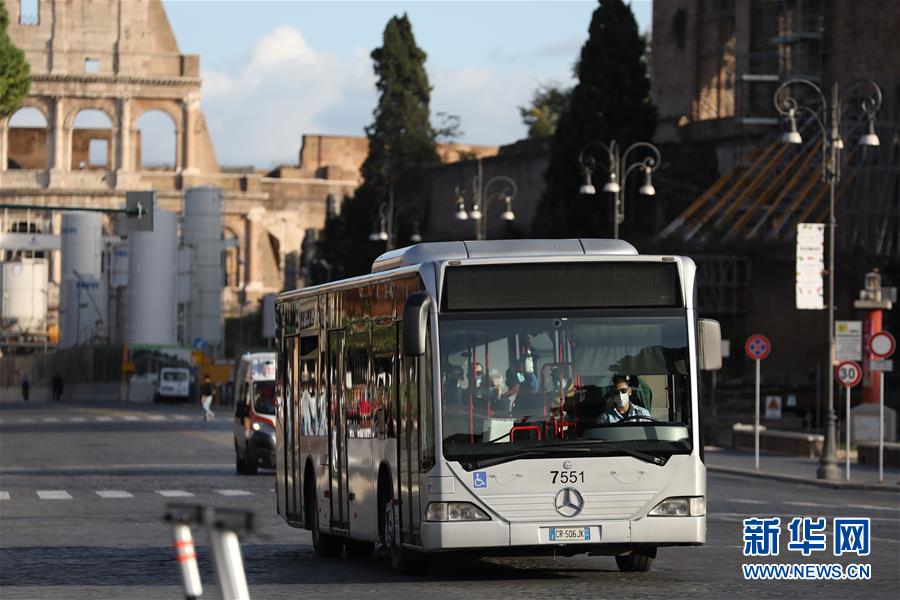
(454,511)
(680,507)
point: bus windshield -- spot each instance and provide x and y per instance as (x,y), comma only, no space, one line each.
(514,385)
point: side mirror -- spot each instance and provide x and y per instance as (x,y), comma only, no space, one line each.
(710,342)
(415,323)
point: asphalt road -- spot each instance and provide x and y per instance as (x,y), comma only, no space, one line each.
(83,490)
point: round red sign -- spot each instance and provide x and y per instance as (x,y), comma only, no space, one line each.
(882,344)
(848,373)
(757,346)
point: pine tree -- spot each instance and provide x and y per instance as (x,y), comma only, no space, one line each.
(15,74)
(610,102)
(400,137)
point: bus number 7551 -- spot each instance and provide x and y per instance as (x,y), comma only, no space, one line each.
(568,476)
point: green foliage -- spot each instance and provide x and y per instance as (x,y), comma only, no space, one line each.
(15,74)
(610,102)
(548,102)
(400,136)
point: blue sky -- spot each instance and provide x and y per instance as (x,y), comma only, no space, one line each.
(276,70)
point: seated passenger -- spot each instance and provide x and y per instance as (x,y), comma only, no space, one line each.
(622,407)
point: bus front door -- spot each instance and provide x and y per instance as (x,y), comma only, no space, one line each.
(337,430)
(408,448)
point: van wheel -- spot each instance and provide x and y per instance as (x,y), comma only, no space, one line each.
(359,548)
(239,464)
(250,466)
(637,561)
(403,561)
(325,545)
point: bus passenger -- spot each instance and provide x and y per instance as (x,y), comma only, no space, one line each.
(622,407)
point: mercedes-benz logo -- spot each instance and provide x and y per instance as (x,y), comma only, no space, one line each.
(569,502)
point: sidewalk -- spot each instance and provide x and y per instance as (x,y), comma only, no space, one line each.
(798,469)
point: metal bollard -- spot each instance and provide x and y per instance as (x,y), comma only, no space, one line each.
(182,516)
(226,549)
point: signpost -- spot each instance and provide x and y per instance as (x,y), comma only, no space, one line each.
(849,374)
(882,346)
(848,340)
(757,348)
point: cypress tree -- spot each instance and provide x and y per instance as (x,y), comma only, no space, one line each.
(611,101)
(400,137)
(15,74)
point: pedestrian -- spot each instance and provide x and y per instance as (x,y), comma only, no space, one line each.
(57,387)
(26,387)
(207,393)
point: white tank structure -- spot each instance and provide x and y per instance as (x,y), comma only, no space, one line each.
(23,298)
(151,282)
(202,231)
(82,297)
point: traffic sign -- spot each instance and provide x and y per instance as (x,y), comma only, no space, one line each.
(882,344)
(884,366)
(848,373)
(757,346)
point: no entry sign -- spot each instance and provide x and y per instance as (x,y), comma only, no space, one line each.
(757,346)
(848,373)
(882,344)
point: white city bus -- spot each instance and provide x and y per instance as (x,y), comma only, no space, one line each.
(468,397)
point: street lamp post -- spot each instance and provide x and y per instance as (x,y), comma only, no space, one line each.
(828,119)
(618,170)
(482,197)
(388,217)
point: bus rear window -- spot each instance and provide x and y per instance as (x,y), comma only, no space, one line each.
(561,285)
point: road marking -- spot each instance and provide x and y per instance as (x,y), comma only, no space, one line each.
(742,501)
(156,417)
(234,492)
(870,507)
(844,506)
(114,494)
(181,418)
(4,495)
(77,419)
(130,418)
(816,504)
(126,467)
(174,493)
(50,420)
(53,495)
(104,419)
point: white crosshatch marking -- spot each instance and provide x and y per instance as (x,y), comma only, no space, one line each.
(4,495)
(114,494)
(234,493)
(174,493)
(54,495)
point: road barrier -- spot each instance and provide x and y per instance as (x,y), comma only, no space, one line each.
(223,525)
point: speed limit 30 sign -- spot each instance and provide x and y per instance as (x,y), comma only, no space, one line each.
(848,373)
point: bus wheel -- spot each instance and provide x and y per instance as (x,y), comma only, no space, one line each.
(639,560)
(359,548)
(403,561)
(324,544)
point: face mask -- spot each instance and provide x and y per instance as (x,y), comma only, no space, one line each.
(622,400)
(478,380)
(529,365)
(520,377)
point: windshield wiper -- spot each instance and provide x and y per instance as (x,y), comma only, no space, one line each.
(541,451)
(644,456)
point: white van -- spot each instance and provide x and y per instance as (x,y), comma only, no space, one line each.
(254,413)
(174,384)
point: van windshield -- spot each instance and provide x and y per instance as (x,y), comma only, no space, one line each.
(264,397)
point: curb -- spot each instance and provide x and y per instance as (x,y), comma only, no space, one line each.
(835,485)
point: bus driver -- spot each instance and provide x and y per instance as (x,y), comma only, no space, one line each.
(622,407)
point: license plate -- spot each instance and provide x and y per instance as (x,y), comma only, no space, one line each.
(569,534)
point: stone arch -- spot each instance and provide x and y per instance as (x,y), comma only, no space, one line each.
(156,141)
(174,109)
(28,138)
(92,144)
(231,257)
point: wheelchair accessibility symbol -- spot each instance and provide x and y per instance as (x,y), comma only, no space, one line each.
(479,479)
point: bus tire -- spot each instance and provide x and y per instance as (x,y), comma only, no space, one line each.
(637,561)
(325,545)
(359,548)
(403,561)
